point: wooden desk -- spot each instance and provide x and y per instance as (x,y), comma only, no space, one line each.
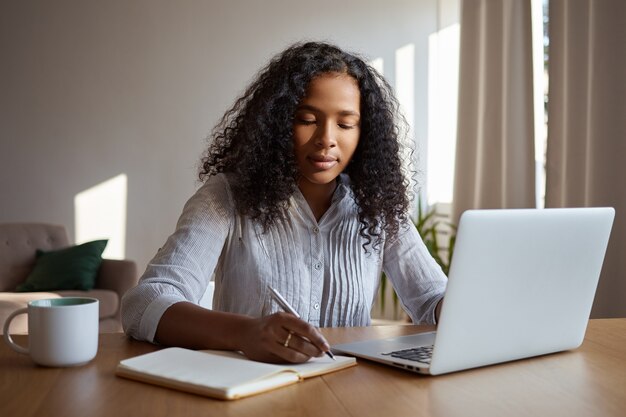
(590,381)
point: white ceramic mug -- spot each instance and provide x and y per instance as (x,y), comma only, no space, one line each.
(61,331)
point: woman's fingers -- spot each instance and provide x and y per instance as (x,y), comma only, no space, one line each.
(294,343)
(306,331)
(282,337)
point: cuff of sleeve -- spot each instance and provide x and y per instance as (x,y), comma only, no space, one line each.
(152,315)
(434,313)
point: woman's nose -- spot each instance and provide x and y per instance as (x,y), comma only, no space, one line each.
(326,136)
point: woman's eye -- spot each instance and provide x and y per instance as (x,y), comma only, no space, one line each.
(345,126)
(306,122)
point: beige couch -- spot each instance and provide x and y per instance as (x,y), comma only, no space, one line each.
(18,244)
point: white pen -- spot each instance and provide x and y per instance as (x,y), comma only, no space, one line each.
(288,308)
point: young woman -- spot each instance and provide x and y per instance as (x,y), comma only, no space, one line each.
(304,192)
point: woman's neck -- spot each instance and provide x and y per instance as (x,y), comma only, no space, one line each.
(318,196)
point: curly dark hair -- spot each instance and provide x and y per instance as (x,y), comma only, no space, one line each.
(253,141)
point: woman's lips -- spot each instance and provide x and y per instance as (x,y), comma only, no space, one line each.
(323,162)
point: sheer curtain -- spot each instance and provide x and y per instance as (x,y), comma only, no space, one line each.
(495,165)
(586,155)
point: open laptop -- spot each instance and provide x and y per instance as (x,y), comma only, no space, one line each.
(521,284)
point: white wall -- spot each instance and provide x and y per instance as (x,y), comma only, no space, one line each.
(93,89)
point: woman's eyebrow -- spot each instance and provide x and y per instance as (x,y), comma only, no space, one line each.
(316,110)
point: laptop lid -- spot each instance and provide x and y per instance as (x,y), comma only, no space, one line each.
(521,284)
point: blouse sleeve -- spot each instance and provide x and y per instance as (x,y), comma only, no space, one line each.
(182,268)
(417,278)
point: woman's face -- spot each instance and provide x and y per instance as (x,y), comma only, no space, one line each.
(326,128)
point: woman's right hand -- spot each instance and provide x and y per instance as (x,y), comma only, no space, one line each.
(188,325)
(264,339)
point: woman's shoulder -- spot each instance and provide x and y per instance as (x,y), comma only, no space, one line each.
(218,185)
(213,195)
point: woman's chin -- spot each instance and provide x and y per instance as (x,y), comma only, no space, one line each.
(318,179)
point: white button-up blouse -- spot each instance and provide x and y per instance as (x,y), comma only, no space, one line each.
(320,267)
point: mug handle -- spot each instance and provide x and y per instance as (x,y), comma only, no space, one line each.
(7,336)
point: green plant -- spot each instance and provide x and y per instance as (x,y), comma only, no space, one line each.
(429,229)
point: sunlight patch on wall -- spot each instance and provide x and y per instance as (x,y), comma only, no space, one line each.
(405,83)
(379,65)
(101,214)
(443,76)
(540,42)
(405,93)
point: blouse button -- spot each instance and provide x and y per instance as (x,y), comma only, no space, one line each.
(316,306)
(318,265)
(316,229)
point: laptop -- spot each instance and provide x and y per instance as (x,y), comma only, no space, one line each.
(521,284)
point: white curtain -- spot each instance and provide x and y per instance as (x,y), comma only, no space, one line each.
(586,156)
(495,165)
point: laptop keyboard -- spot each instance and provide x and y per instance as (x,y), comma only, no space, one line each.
(419,354)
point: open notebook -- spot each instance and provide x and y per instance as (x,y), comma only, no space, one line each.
(221,374)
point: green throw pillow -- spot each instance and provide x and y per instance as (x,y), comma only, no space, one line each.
(73,268)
